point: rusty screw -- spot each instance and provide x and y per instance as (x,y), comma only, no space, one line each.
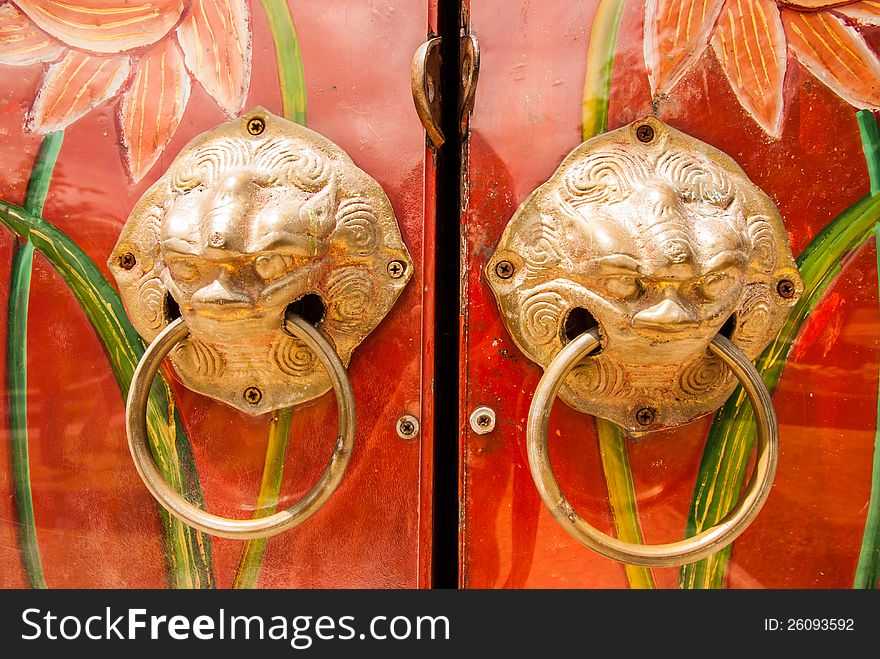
(127,261)
(396,269)
(407,426)
(646,416)
(645,133)
(256,125)
(504,269)
(253,395)
(785,288)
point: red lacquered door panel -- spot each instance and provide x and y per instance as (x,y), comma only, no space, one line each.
(95,523)
(528,114)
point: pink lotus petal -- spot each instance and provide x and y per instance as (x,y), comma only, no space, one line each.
(836,54)
(153,106)
(21,43)
(73,86)
(216,42)
(676,34)
(864,13)
(749,42)
(104,26)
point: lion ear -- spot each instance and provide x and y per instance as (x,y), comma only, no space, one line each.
(137,265)
(319,212)
(763,244)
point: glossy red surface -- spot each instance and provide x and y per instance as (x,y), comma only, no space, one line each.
(527,117)
(96,523)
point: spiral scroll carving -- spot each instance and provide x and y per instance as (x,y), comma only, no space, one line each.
(292,357)
(701,376)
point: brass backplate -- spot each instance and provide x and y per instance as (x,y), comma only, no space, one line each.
(253,217)
(661,240)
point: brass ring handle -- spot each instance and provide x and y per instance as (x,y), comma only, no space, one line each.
(239,529)
(674,553)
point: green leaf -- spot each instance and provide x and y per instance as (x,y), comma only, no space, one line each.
(16,362)
(732,435)
(868,567)
(188,551)
(248,573)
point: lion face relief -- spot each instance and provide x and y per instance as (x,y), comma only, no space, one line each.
(253,218)
(661,242)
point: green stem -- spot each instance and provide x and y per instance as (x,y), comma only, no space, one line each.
(868,567)
(600,62)
(612,445)
(16,369)
(187,551)
(248,573)
(293,102)
(732,435)
(622,496)
(291,76)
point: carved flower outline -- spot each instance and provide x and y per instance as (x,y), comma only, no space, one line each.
(142,52)
(751,40)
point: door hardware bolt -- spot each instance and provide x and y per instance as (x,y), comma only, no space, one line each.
(646,416)
(785,288)
(256,125)
(396,269)
(407,426)
(504,269)
(483,420)
(253,395)
(127,261)
(645,133)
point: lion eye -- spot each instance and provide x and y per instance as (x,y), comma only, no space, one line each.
(624,287)
(183,270)
(714,286)
(271,266)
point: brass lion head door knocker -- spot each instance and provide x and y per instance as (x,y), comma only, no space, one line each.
(644,276)
(259,261)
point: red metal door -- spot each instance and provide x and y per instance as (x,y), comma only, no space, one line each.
(778,86)
(120,98)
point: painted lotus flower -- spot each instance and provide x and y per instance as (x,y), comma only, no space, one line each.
(751,40)
(142,52)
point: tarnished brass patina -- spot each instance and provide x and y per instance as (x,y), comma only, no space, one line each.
(663,242)
(252,217)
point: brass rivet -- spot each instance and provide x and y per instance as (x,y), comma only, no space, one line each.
(396,269)
(504,269)
(127,261)
(256,125)
(253,395)
(645,133)
(646,416)
(785,288)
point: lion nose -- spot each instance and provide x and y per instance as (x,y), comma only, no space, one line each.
(667,315)
(216,294)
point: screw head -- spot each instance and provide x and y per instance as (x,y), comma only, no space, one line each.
(407,426)
(645,133)
(504,269)
(253,395)
(483,420)
(646,416)
(396,269)
(127,261)
(785,288)
(256,125)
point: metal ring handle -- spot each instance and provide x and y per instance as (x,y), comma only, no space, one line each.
(238,529)
(674,553)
